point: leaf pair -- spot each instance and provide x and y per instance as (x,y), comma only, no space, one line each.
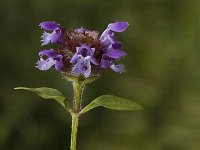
(108,101)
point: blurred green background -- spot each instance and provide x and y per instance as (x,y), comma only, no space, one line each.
(162,74)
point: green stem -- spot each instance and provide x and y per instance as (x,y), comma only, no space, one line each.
(78,87)
(78,90)
(74,131)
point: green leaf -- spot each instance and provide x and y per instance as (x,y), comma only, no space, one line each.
(48,93)
(112,102)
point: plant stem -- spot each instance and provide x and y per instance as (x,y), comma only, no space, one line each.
(74,131)
(78,87)
(78,90)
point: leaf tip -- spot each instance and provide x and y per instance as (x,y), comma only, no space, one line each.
(20,88)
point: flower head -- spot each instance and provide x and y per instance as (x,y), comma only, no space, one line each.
(82,51)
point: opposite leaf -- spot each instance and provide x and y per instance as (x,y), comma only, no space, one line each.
(112,102)
(47,93)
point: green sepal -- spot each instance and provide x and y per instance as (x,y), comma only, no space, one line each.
(48,93)
(112,102)
(81,79)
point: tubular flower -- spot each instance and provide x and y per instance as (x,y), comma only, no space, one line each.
(111,48)
(53,59)
(82,58)
(82,52)
(54,37)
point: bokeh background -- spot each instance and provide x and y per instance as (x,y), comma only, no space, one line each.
(162,74)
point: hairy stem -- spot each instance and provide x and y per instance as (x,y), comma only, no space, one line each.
(78,90)
(74,131)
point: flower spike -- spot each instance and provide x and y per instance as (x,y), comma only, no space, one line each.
(82,52)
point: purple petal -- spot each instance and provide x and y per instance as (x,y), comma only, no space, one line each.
(116,54)
(50,53)
(49,25)
(88,70)
(107,37)
(77,69)
(45,64)
(74,58)
(117,45)
(82,67)
(105,41)
(118,26)
(59,64)
(53,59)
(94,60)
(111,37)
(118,68)
(55,37)
(85,50)
(104,62)
(46,38)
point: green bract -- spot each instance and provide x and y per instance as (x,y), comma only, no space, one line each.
(107,101)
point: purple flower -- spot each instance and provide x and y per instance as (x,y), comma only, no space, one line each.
(82,66)
(109,59)
(82,51)
(107,36)
(82,58)
(54,37)
(53,59)
(111,48)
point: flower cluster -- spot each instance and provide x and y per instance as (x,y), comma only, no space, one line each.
(81,52)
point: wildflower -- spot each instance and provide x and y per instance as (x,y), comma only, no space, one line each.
(55,36)
(107,36)
(82,51)
(53,59)
(109,60)
(83,57)
(111,48)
